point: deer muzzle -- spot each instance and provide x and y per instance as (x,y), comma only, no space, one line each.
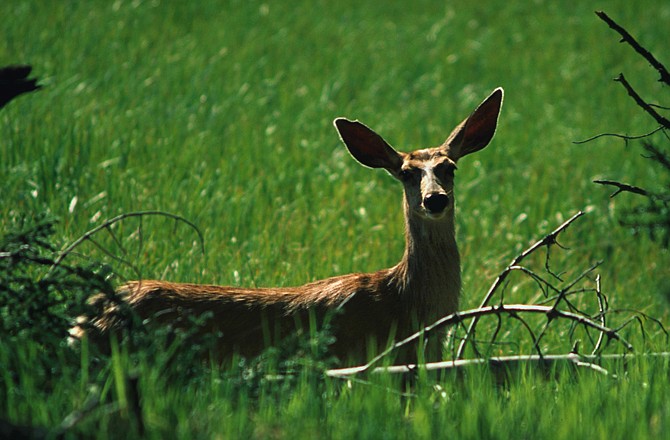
(436,203)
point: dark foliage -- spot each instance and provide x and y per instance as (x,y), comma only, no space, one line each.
(37,297)
(14,81)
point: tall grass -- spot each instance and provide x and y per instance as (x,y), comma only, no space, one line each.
(221,112)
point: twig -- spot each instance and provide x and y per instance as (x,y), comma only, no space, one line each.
(562,296)
(112,255)
(628,38)
(657,155)
(548,240)
(87,236)
(622,187)
(647,317)
(535,339)
(566,290)
(602,308)
(494,336)
(547,267)
(622,136)
(542,284)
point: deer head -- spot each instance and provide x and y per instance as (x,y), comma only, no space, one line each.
(426,174)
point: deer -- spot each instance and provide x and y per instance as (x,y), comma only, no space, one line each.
(368,310)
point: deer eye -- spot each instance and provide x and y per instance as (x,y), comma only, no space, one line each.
(446,170)
(405,175)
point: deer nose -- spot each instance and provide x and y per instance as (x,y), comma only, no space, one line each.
(436,202)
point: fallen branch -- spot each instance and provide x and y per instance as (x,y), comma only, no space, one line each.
(512,310)
(579,360)
(548,240)
(88,236)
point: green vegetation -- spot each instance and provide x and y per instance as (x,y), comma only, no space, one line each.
(221,112)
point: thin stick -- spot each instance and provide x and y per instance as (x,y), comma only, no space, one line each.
(87,236)
(622,187)
(628,38)
(548,240)
(566,289)
(602,307)
(622,136)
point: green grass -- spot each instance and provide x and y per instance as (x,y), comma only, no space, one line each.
(221,112)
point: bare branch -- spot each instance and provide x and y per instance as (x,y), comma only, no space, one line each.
(602,308)
(622,187)
(113,256)
(622,136)
(87,236)
(628,38)
(548,240)
(500,361)
(535,339)
(547,266)
(647,317)
(641,102)
(544,285)
(508,309)
(571,284)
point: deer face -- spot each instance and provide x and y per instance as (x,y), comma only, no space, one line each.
(428,174)
(428,178)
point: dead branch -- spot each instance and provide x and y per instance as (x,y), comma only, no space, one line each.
(639,314)
(621,136)
(568,289)
(512,310)
(602,312)
(107,225)
(628,38)
(622,187)
(548,240)
(576,359)
(641,102)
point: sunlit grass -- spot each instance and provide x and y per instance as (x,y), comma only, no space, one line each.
(221,112)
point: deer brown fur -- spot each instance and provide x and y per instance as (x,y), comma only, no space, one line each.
(369,308)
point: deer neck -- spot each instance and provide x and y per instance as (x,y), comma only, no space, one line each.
(429,274)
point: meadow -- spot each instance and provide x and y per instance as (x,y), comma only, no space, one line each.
(221,112)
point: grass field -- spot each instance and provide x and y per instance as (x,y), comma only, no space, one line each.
(221,112)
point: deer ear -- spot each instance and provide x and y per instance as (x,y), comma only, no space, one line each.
(366,146)
(477,130)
